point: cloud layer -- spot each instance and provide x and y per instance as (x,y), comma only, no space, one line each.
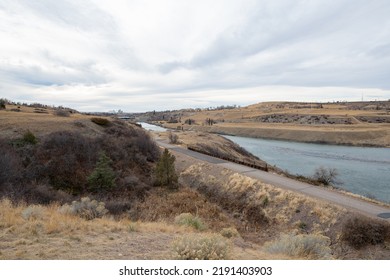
(142,55)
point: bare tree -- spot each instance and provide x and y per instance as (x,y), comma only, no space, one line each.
(173,138)
(326,176)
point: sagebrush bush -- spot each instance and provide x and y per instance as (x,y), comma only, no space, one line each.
(201,247)
(360,231)
(32,212)
(85,208)
(229,232)
(187,219)
(310,246)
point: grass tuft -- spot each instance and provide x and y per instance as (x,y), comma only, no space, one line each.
(310,246)
(187,219)
(201,247)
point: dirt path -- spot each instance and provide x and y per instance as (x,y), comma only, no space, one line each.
(355,204)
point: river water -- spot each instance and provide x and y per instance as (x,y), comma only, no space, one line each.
(152,127)
(362,170)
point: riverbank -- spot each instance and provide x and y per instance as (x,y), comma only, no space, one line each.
(341,123)
(335,135)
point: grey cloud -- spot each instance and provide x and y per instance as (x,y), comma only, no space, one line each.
(302,35)
(37,75)
(83,15)
(264,30)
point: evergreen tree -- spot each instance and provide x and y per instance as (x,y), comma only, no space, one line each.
(165,171)
(103,177)
(3,102)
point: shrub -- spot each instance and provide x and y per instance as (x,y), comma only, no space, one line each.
(10,164)
(361,231)
(238,194)
(165,171)
(201,247)
(189,121)
(103,177)
(35,194)
(326,176)
(3,102)
(173,138)
(32,212)
(85,208)
(79,124)
(311,246)
(29,138)
(118,207)
(187,219)
(65,159)
(229,232)
(101,121)
(62,113)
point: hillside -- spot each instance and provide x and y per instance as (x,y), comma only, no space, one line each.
(51,207)
(349,123)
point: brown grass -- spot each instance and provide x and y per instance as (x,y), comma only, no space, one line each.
(283,209)
(15,124)
(163,205)
(52,235)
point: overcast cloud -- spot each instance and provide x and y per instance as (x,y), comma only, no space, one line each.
(101,55)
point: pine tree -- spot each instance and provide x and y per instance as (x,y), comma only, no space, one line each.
(165,171)
(102,177)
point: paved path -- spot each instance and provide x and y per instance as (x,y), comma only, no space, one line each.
(363,207)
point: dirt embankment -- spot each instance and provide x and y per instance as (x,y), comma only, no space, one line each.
(216,146)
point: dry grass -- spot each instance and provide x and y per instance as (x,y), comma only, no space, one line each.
(285,210)
(201,247)
(165,206)
(312,246)
(52,235)
(15,124)
(49,234)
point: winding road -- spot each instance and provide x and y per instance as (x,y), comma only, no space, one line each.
(349,202)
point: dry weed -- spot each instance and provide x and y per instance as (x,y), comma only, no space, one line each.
(201,247)
(301,246)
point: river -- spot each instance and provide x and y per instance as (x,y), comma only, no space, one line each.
(152,127)
(362,170)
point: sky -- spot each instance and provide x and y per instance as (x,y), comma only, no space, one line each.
(138,56)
